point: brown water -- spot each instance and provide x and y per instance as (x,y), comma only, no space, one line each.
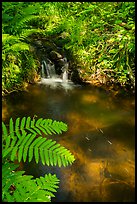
(101,136)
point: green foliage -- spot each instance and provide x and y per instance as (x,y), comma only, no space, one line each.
(21,142)
(15,54)
(100,35)
(17,187)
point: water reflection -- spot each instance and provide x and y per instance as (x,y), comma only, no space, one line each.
(101,135)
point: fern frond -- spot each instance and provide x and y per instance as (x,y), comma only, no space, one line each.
(11,128)
(25,187)
(17,47)
(46,150)
(27,32)
(20,145)
(5,131)
(8,177)
(28,191)
(47,126)
(49,182)
(9,39)
(12,44)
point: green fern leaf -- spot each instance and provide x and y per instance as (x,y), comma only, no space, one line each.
(64,161)
(18,133)
(46,124)
(56,127)
(9,197)
(33,126)
(11,127)
(31,149)
(59,160)
(27,189)
(62,150)
(17,122)
(17,195)
(38,181)
(46,157)
(49,182)
(63,126)
(5,152)
(13,142)
(46,143)
(20,152)
(50,144)
(42,154)
(7,142)
(51,158)
(17,127)
(49,194)
(54,147)
(47,129)
(4,129)
(15,149)
(38,122)
(7,168)
(30,153)
(27,146)
(9,177)
(31,130)
(42,129)
(23,123)
(13,154)
(36,152)
(49,188)
(54,158)
(28,122)
(17,47)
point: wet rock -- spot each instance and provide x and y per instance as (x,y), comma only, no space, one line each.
(55,55)
(75,76)
(59,61)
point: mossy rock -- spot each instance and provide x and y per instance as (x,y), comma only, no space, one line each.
(55,55)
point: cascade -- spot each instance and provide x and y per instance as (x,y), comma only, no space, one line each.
(49,76)
(65,76)
(43,70)
(51,69)
(48,69)
(65,70)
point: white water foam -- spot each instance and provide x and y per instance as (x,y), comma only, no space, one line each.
(49,77)
(57,82)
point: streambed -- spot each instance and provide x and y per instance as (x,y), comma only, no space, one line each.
(101,135)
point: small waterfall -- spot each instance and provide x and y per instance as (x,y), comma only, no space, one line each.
(43,70)
(65,70)
(65,76)
(48,69)
(50,77)
(51,69)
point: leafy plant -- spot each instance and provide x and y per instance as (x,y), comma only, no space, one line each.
(100,36)
(21,143)
(15,55)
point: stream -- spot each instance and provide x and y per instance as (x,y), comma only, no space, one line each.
(101,135)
